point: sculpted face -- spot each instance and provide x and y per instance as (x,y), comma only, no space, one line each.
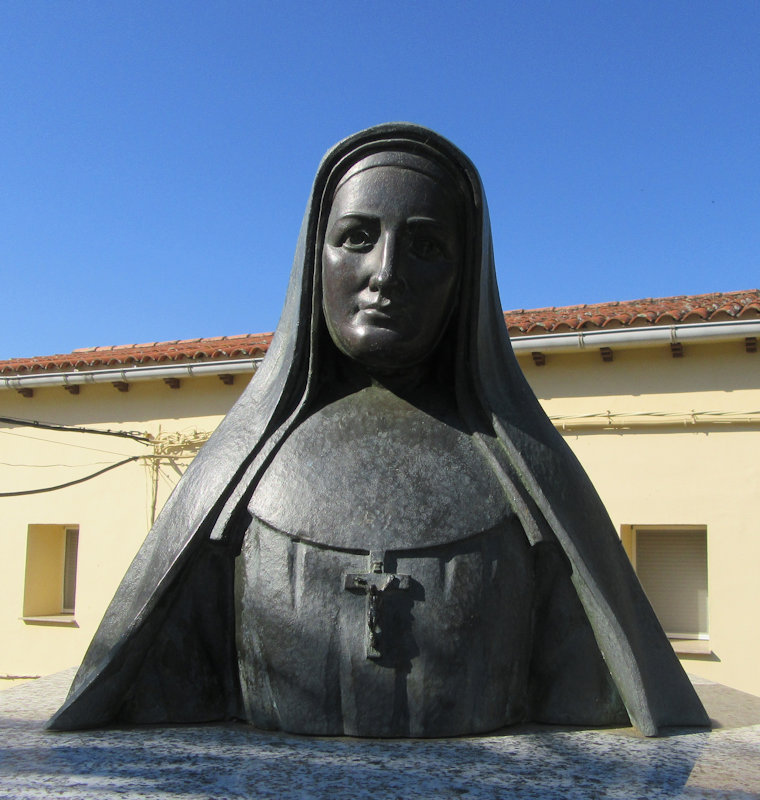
(390,266)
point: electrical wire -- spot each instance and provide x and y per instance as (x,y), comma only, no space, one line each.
(43,466)
(70,483)
(49,426)
(59,443)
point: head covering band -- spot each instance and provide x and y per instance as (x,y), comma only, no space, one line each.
(401,160)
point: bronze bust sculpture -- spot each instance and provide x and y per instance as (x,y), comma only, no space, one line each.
(385,536)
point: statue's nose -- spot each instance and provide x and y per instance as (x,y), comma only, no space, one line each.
(388,270)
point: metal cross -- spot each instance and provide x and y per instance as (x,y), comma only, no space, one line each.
(375,584)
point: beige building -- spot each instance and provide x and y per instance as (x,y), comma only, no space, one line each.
(659,399)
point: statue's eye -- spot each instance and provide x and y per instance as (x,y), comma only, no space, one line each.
(359,238)
(426,247)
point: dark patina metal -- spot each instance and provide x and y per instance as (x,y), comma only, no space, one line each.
(385,536)
(375,584)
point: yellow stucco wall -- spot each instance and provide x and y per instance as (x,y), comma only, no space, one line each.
(659,471)
(656,470)
(113,511)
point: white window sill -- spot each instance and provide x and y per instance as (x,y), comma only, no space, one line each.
(691,647)
(52,619)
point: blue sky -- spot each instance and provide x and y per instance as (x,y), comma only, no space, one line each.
(156,158)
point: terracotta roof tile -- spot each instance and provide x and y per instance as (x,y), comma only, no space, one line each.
(629,313)
(216,348)
(634,313)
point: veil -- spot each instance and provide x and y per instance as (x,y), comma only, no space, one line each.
(187,558)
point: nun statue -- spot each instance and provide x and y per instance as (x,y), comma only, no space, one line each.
(385,536)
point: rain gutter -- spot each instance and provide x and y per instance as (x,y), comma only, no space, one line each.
(130,374)
(627,338)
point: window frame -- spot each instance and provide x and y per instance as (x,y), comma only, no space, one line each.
(688,644)
(50,578)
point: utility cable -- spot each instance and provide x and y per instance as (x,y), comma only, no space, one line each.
(58,442)
(30,423)
(70,483)
(44,466)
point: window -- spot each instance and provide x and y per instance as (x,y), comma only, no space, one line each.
(671,563)
(51,573)
(70,570)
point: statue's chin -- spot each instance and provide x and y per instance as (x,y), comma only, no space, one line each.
(382,349)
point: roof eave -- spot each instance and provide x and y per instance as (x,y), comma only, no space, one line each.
(575,341)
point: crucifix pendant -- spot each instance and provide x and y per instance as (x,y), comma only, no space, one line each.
(375,584)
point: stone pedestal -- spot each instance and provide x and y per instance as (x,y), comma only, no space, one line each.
(236,761)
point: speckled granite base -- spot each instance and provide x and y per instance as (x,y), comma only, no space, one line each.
(235,761)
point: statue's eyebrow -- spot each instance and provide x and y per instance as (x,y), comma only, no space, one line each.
(424,221)
(438,225)
(358,215)
(362,216)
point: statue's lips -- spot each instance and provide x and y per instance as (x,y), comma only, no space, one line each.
(383,313)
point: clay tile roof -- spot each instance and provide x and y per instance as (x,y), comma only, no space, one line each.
(635,313)
(216,348)
(622,313)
